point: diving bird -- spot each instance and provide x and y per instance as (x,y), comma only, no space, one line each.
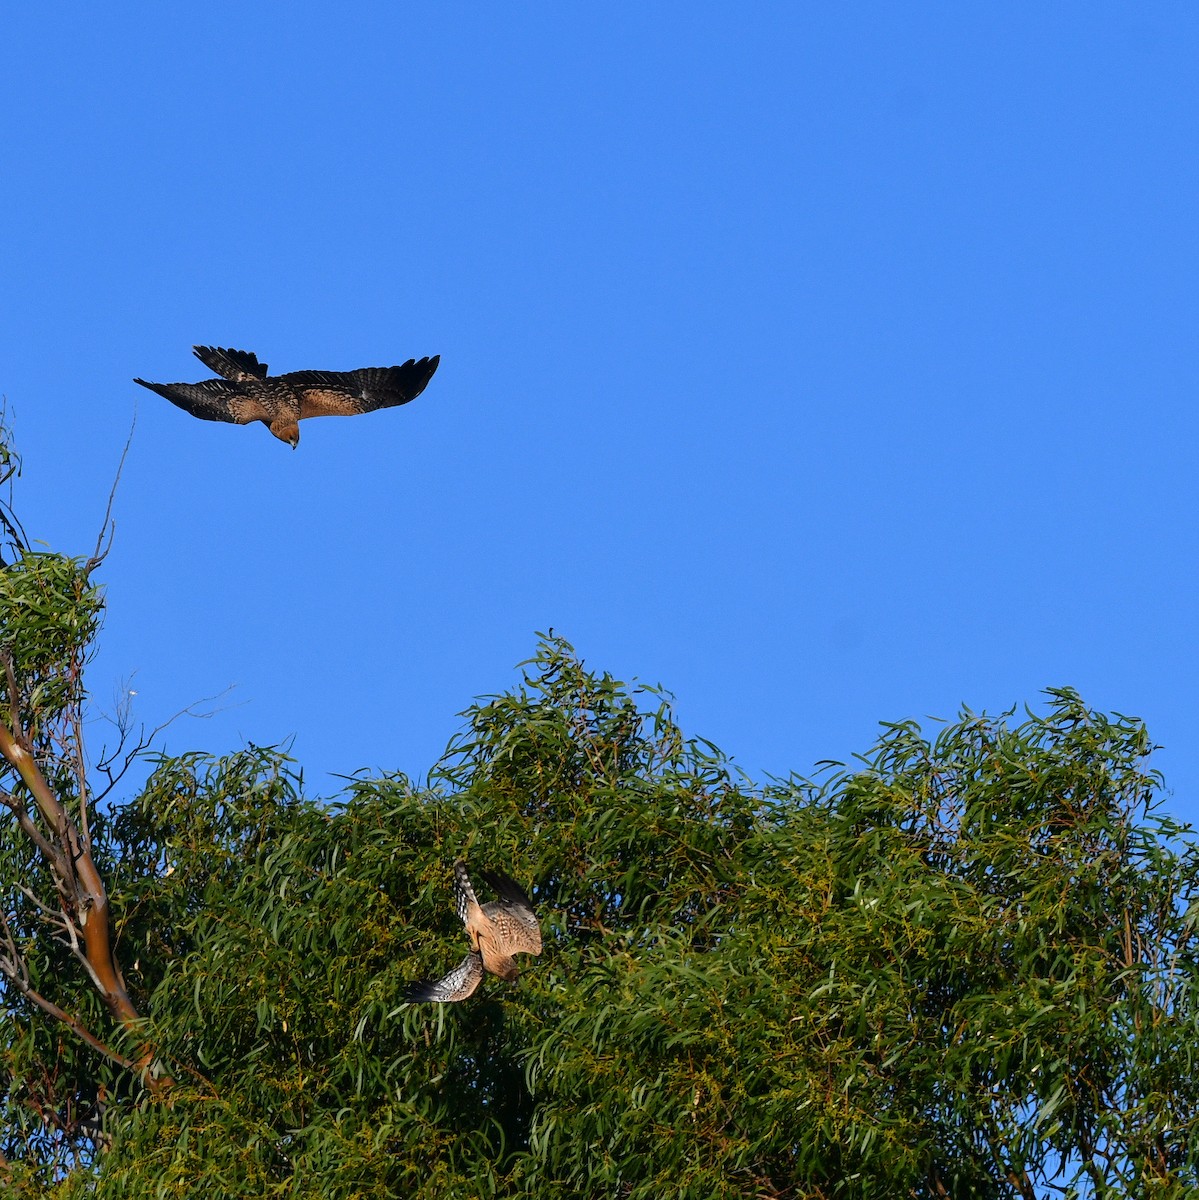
(497,930)
(245,392)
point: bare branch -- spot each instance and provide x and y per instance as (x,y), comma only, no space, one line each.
(58,920)
(55,859)
(15,963)
(114,764)
(80,777)
(87,900)
(71,1022)
(14,698)
(72,943)
(108,526)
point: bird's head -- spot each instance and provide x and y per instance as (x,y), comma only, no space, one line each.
(286,429)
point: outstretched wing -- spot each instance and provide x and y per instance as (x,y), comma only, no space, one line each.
(457,985)
(232,364)
(348,393)
(512,915)
(212,400)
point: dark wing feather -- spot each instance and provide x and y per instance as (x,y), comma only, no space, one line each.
(457,985)
(507,888)
(232,364)
(212,400)
(348,393)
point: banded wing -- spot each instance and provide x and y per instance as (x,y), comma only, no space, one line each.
(457,985)
(239,365)
(348,393)
(464,894)
(212,400)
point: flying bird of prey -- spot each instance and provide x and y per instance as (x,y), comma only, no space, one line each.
(497,930)
(245,392)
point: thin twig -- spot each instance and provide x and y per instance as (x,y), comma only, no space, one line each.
(16,963)
(107,526)
(47,913)
(115,771)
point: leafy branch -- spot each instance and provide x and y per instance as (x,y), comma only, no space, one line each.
(50,611)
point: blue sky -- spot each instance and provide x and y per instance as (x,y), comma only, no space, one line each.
(825,364)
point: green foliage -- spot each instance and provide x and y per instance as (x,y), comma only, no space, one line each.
(49,613)
(50,1084)
(966,968)
(947,973)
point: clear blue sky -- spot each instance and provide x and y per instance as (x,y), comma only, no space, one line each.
(826,364)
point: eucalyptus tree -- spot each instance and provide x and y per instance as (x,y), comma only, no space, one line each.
(74,1033)
(964,967)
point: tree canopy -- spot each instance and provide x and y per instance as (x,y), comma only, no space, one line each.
(964,966)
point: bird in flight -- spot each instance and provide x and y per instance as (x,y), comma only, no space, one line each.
(245,392)
(497,930)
